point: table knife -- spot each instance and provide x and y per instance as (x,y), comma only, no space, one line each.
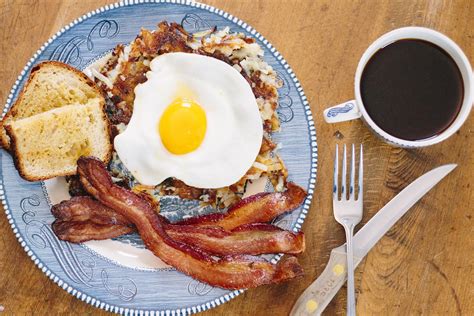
(318,295)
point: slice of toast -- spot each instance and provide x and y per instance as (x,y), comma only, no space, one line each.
(51,84)
(48,144)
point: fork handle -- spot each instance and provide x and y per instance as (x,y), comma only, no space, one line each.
(351,307)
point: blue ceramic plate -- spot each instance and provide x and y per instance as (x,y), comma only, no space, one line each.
(89,272)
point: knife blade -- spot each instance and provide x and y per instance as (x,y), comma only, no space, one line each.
(318,295)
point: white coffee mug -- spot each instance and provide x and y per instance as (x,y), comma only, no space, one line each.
(355,109)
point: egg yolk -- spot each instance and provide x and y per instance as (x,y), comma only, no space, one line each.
(182,126)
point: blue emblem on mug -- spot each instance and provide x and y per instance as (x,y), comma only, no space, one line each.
(343,109)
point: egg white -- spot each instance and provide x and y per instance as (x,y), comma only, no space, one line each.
(234,126)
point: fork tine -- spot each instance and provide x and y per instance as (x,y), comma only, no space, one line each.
(336,171)
(361,174)
(344,175)
(352,187)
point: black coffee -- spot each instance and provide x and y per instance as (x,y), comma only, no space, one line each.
(412,89)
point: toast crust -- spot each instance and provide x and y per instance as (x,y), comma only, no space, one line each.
(4,137)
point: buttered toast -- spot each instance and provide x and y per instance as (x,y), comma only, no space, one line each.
(48,144)
(51,85)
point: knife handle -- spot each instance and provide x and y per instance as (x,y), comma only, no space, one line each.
(318,295)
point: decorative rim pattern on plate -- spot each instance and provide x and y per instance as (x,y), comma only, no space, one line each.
(297,226)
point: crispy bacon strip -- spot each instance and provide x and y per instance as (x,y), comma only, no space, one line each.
(84,208)
(84,231)
(232,272)
(249,239)
(258,208)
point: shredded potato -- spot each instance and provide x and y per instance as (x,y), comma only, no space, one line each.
(127,66)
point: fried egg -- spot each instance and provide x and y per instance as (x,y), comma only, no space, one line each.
(195,119)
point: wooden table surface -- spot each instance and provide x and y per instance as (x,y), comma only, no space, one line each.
(424,265)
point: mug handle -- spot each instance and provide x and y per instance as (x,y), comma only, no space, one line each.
(346,111)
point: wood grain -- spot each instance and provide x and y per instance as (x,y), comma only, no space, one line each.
(425,263)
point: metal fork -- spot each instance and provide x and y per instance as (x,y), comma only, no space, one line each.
(348,213)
